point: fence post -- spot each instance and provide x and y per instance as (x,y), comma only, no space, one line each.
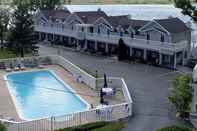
(80,118)
(51,123)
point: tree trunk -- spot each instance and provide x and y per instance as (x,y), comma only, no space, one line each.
(2,43)
(22,52)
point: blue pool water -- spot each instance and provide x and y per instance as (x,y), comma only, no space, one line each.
(41,94)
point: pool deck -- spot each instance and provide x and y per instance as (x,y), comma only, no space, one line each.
(8,109)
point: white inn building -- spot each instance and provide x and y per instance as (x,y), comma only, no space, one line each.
(164,42)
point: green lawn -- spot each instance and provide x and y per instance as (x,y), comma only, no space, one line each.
(99,126)
(5,54)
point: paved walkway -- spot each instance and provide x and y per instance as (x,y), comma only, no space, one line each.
(149,87)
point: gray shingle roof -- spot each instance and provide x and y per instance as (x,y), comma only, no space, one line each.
(136,24)
(121,20)
(173,25)
(89,17)
(56,14)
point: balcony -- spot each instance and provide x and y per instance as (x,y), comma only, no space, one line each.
(55,29)
(162,47)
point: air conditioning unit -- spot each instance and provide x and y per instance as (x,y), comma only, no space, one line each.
(195,74)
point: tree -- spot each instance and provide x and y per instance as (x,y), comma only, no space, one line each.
(122,50)
(4,20)
(2,127)
(39,4)
(187,8)
(22,38)
(181,95)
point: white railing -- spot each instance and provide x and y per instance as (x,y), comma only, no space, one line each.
(55,30)
(138,43)
(108,113)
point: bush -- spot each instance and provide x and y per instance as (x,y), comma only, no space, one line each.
(2,127)
(175,128)
(99,126)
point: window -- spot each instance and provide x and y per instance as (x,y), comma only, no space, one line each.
(148,36)
(72,27)
(99,30)
(108,32)
(137,32)
(91,30)
(82,29)
(132,35)
(162,37)
(121,33)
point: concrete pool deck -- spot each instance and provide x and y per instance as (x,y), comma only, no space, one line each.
(8,109)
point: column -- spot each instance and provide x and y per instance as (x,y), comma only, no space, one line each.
(40,36)
(96,46)
(61,38)
(46,37)
(131,51)
(183,58)
(160,59)
(145,54)
(85,45)
(53,37)
(106,48)
(175,61)
(78,45)
(69,41)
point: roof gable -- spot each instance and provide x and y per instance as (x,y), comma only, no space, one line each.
(56,14)
(173,25)
(153,24)
(89,17)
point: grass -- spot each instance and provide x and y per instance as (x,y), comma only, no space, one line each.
(176,128)
(122,1)
(5,54)
(99,126)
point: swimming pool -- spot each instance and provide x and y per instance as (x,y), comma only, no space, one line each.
(40,94)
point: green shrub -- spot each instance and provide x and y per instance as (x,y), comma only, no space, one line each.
(99,126)
(175,128)
(2,127)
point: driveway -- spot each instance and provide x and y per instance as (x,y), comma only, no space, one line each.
(149,87)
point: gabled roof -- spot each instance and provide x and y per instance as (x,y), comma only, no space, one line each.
(137,24)
(121,20)
(89,17)
(56,14)
(173,25)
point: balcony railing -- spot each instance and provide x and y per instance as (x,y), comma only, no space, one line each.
(163,47)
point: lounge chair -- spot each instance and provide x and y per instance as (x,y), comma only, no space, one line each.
(16,68)
(22,68)
(41,66)
(8,69)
